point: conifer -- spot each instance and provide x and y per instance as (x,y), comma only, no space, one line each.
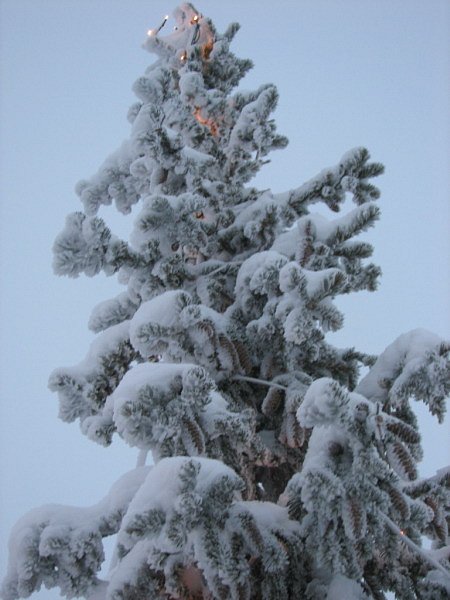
(279,469)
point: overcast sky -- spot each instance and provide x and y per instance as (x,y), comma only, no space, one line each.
(349,73)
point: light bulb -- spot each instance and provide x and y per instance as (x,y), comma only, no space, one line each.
(150,32)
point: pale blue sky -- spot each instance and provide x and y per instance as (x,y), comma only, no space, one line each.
(349,73)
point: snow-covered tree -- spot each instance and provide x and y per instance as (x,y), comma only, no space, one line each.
(278,471)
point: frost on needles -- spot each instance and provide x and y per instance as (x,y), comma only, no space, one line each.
(278,471)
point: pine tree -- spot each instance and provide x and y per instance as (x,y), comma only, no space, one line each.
(278,470)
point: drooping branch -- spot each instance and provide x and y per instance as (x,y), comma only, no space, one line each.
(414,547)
(260,382)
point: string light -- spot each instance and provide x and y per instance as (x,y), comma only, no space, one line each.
(207,48)
(213,127)
(156,31)
(166,18)
(427,556)
(196,36)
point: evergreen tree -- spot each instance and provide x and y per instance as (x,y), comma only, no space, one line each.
(279,472)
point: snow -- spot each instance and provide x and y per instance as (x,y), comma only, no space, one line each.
(318,455)
(289,276)
(322,228)
(197,158)
(435,577)
(325,399)
(94,192)
(154,401)
(319,405)
(192,89)
(400,359)
(61,533)
(162,487)
(107,312)
(342,588)
(216,414)
(104,343)
(316,280)
(269,516)
(71,517)
(98,592)
(246,131)
(159,375)
(163,310)
(159,490)
(253,272)
(255,209)
(326,229)
(127,572)
(287,242)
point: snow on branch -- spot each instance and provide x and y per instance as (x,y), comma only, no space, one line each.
(61,546)
(180,528)
(330,186)
(426,556)
(415,365)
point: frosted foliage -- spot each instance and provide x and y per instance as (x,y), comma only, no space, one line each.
(171,409)
(188,512)
(62,545)
(112,312)
(359,464)
(416,364)
(278,472)
(84,388)
(342,587)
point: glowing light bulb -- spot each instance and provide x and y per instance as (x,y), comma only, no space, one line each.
(150,32)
